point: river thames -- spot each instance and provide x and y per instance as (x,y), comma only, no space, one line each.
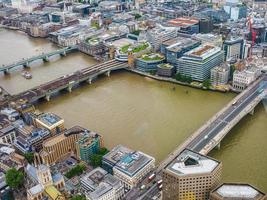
(139,112)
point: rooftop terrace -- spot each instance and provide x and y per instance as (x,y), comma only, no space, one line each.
(189,162)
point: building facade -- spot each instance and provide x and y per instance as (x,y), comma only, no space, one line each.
(191,176)
(219,75)
(60,145)
(198,62)
(87,145)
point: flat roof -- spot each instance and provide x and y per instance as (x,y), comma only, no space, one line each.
(203,51)
(191,163)
(116,154)
(183,21)
(49,119)
(133,162)
(237,190)
(179,43)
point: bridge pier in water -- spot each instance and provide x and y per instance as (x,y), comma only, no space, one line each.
(108,73)
(63,53)
(252,111)
(48,96)
(46,59)
(26,65)
(6,72)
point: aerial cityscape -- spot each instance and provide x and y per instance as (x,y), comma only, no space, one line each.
(133,100)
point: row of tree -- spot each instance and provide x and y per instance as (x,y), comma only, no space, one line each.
(183,78)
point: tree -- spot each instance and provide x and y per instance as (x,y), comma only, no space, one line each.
(137,16)
(103,151)
(206,83)
(232,70)
(96,160)
(78,197)
(75,171)
(14,178)
(29,157)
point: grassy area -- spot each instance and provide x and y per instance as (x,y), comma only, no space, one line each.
(152,57)
(135,49)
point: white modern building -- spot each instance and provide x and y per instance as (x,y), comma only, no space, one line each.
(198,62)
(127,165)
(160,34)
(233,48)
(100,185)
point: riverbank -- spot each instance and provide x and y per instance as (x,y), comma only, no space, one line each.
(171,80)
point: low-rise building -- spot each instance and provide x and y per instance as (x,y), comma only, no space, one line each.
(236,191)
(219,75)
(242,79)
(129,166)
(210,38)
(188,25)
(149,62)
(190,176)
(50,121)
(165,69)
(100,185)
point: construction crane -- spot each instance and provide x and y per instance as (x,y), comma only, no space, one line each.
(252,32)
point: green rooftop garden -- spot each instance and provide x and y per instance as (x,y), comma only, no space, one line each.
(93,40)
(152,57)
(165,65)
(135,49)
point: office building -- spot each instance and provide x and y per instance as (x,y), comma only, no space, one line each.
(159,34)
(50,121)
(100,185)
(242,79)
(114,156)
(187,25)
(198,62)
(190,176)
(148,62)
(210,38)
(233,48)
(219,75)
(61,145)
(87,145)
(127,165)
(165,69)
(236,191)
(176,47)
(30,139)
(7,134)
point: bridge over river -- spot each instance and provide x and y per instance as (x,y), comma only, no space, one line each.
(214,130)
(69,81)
(44,56)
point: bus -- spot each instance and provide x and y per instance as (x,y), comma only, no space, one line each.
(159,182)
(152,176)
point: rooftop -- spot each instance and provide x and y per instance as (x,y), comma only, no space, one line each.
(203,51)
(133,162)
(152,57)
(95,177)
(49,119)
(183,21)
(165,66)
(116,154)
(189,162)
(179,43)
(241,191)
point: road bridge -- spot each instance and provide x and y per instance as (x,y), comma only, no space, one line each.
(68,81)
(44,56)
(215,129)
